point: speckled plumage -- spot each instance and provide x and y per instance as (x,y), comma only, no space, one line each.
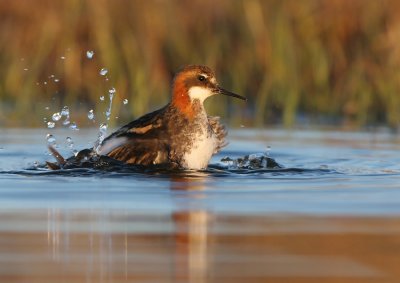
(164,136)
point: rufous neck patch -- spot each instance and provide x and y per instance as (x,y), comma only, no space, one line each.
(181,99)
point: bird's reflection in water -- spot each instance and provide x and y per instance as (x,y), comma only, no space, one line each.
(102,245)
(191,232)
(192,243)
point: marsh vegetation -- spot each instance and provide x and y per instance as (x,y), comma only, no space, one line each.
(334,62)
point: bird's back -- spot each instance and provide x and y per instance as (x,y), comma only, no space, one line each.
(166,136)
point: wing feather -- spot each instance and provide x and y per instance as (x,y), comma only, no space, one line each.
(219,131)
(139,142)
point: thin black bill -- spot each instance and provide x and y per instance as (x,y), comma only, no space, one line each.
(228,93)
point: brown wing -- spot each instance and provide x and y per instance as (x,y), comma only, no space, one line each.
(140,142)
(141,151)
(220,132)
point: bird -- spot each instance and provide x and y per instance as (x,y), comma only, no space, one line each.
(179,135)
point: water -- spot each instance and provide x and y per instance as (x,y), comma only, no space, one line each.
(331,215)
(111,93)
(90,114)
(89,54)
(56,116)
(103,71)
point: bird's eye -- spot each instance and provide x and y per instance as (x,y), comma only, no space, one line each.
(202,78)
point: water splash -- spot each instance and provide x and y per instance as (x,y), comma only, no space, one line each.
(51,125)
(268,151)
(111,93)
(51,140)
(101,136)
(103,127)
(74,126)
(251,161)
(89,54)
(103,71)
(70,142)
(90,114)
(102,98)
(56,116)
(125,101)
(65,113)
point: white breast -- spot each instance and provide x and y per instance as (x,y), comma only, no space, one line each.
(200,153)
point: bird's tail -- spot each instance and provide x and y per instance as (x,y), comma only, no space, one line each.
(60,160)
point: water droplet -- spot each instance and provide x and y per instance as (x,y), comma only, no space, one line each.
(45,83)
(51,76)
(102,98)
(56,116)
(74,126)
(50,139)
(108,114)
(36,164)
(101,136)
(90,115)
(89,54)
(125,101)
(242,126)
(112,90)
(103,71)
(26,69)
(50,125)
(47,108)
(56,80)
(103,127)
(62,57)
(70,142)
(267,150)
(65,111)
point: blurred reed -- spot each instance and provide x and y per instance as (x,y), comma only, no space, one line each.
(326,61)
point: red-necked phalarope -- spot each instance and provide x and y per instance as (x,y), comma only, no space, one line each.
(179,134)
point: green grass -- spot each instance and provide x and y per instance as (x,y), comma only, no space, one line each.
(335,59)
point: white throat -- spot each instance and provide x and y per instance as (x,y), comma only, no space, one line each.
(200,93)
